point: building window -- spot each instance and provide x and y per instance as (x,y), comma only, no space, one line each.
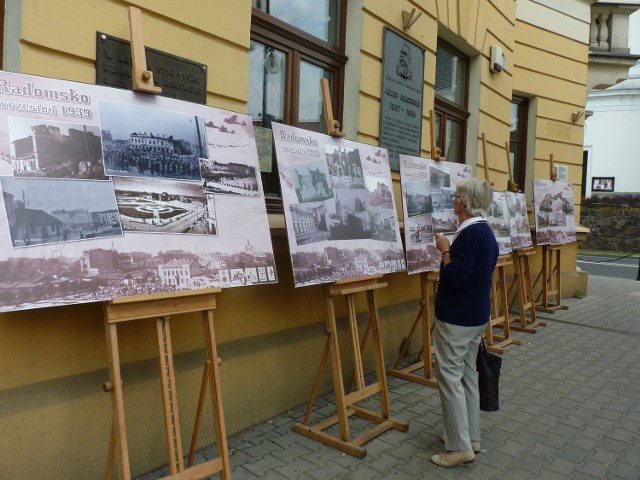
(290,52)
(451,95)
(518,140)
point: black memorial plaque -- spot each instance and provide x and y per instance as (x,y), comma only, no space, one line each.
(178,77)
(401,99)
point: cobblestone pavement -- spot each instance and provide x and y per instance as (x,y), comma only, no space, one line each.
(570,409)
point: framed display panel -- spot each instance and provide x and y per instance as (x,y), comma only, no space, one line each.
(498,220)
(520,230)
(427,197)
(338,205)
(109,193)
(554,212)
(603,184)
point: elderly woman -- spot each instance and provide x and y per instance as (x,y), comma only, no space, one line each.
(462,310)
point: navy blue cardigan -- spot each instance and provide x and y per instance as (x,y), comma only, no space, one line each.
(464,292)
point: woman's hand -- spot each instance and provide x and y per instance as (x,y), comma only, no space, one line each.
(442,243)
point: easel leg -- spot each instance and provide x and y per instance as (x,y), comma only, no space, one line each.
(216,396)
(169,398)
(196,427)
(385,407)
(117,401)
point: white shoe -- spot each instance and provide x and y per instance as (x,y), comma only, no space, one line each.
(453,459)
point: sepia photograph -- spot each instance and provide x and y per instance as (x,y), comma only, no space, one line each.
(309,222)
(140,141)
(229,178)
(380,192)
(348,215)
(154,206)
(383,224)
(311,182)
(55,149)
(444,222)
(43,211)
(418,198)
(420,230)
(345,167)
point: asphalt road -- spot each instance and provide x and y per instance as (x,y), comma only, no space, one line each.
(605,265)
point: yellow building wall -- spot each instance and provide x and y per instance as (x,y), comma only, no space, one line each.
(54,416)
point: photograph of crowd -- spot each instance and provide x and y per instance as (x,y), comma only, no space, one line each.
(44,211)
(161,206)
(151,142)
(55,149)
(518,221)
(230,178)
(498,220)
(554,212)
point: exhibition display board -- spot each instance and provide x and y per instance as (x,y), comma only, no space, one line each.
(554,212)
(427,196)
(109,193)
(338,205)
(498,219)
(519,229)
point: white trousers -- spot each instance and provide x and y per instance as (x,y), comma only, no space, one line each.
(456,349)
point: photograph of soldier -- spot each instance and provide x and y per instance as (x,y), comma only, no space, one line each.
(43,211)
(230,178)
(311,182)
(141,141)
(156,206)
(345,166)
(55,149)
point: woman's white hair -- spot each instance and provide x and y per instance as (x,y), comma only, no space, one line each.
(477,195)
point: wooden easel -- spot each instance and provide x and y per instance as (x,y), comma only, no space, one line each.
(161,307)
(550,273)
(346,403)
(522,276)
(499,310)
(428,283)
(436,152)
(524,293)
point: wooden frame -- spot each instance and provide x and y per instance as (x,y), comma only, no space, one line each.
(160,308)
(551,280)
(346,402)
(499,310)
(428,283)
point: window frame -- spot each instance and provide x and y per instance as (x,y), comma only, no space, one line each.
(448,109)
(300,46)
(519,147)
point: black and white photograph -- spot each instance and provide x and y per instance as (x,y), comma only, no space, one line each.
(311,182)
(153,206)
(345,166)
(498,220)
(420,230)
(348,215)
(380,192)
(444,222)
(55,149)
(229,178)
(554,212)
(383,224)
(44,211)
(140,141)
(439,176)
(418,198)
(309,222)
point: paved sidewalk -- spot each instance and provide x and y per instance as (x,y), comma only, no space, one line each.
(570,409)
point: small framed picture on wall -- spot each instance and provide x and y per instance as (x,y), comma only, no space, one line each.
(602,184)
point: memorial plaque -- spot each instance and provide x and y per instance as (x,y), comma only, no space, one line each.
(401,99)
(178,77)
